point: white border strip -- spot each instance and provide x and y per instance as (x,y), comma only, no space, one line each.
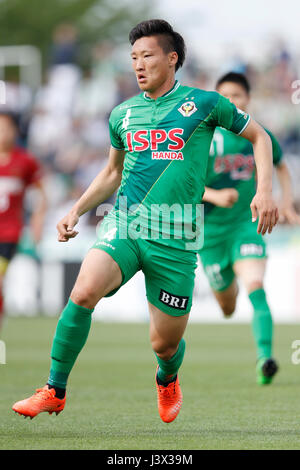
(249,119)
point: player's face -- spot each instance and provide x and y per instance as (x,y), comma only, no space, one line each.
(152,66)
(7,133)
(235,93)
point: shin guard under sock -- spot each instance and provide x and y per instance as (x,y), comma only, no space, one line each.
(71,334)
(262,324)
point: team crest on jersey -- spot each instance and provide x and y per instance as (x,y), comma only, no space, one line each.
(187,109)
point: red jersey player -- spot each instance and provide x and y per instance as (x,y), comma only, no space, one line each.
(18,170)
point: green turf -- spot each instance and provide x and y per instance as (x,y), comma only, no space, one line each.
(111,402)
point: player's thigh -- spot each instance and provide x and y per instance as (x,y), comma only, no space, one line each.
(98,275)
(251,271)
(110,263)
(166,331)
(217,266)
(249,256)
(7,251)
(112,239)
(169,277)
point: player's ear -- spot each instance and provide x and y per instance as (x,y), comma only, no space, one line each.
(172,58)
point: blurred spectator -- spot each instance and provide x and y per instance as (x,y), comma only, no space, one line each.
(52,111)
(18,101)
(64,49)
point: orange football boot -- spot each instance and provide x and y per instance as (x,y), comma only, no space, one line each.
(169,400)
(44,399)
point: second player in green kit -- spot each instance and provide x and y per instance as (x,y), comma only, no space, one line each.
(232,247)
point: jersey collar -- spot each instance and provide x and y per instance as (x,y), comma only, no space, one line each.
(167,94)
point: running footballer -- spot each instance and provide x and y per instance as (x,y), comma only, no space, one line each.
(160,141)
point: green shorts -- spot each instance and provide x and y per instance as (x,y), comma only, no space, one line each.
(169,272)
(243,242)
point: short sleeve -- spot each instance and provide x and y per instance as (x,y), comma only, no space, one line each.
(115,138)
(226,114)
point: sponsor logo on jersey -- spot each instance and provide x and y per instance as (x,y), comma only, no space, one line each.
(187,109)
(144,139)
(239,166)
(167,156)
(174,301)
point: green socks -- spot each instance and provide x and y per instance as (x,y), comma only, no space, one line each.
(168,369)
(71,334)
(262,325)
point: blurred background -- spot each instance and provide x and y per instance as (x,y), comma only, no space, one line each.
(66,64)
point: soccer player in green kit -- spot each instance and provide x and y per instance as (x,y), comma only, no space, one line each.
(232,247)
(160,141)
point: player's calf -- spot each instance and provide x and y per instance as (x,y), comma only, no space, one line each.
(228,308)
(227,299)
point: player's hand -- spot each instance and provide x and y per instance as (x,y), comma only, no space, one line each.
(287,214)
(264,208)
(226,197)
(66,226)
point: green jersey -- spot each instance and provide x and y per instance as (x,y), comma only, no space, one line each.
(167,144)
(231,165)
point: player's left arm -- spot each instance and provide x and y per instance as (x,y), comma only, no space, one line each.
(227,115)
(263,204)
(39,211)
(287,211)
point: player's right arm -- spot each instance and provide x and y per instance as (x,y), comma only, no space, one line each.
(101,188)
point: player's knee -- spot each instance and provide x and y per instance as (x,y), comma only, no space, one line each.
(85,296)
(254,285)
(164,350)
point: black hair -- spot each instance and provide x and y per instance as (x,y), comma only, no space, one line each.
(235,77)
(169,39)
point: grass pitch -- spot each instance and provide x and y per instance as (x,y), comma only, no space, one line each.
(111,400)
